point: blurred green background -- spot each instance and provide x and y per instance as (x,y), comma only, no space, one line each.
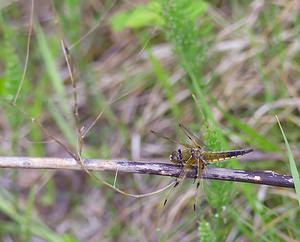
(223,68)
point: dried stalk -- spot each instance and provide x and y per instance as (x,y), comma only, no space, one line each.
(162,169)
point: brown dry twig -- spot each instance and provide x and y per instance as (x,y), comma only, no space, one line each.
(257,177)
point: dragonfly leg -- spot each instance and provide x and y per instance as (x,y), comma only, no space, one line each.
(200,168)
(197,171)
(180,178)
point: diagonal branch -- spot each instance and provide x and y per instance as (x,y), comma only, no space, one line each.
(162,169)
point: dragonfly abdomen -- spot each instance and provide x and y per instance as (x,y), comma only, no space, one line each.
(224,155)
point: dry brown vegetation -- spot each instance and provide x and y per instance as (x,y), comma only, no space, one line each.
(250,69)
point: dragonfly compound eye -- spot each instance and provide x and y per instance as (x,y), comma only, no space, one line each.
(176,157)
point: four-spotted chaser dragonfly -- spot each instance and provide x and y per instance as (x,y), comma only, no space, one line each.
(194,154)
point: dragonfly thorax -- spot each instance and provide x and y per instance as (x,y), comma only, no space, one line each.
(182,156)
(196,153)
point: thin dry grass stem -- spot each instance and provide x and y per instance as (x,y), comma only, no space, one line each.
(93,123)
(285,237)
(116,176)
(28,140)
(147,41)
(80,162)
(140,211)
(162,169)
(70,69)
(38,122)
(80,135)
(27,54)
(262,110)
(77,157)
(111,101)
(75,98)
(129,194)
(178,204)
(93,28)
(283,193)
(58,141)
(272,224)
(39,142)
(43,180)
(256,177)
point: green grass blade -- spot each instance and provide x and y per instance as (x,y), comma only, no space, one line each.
(19,216)
(139,17)
(293,167)
(28,215)
(165,84)
(49,62)
(256,139)
(58,86)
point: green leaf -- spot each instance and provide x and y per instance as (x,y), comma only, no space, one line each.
(141,16)
(293,167)
(150,15)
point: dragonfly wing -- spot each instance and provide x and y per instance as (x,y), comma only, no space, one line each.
(192,137)
(171,140)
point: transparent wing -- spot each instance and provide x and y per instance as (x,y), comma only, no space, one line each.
(171,140)
(192,137)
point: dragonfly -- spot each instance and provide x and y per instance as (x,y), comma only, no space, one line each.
(194,154)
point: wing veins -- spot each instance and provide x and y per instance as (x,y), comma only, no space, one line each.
(171,140)
(195,140)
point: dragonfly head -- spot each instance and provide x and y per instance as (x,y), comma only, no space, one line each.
(176,156)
